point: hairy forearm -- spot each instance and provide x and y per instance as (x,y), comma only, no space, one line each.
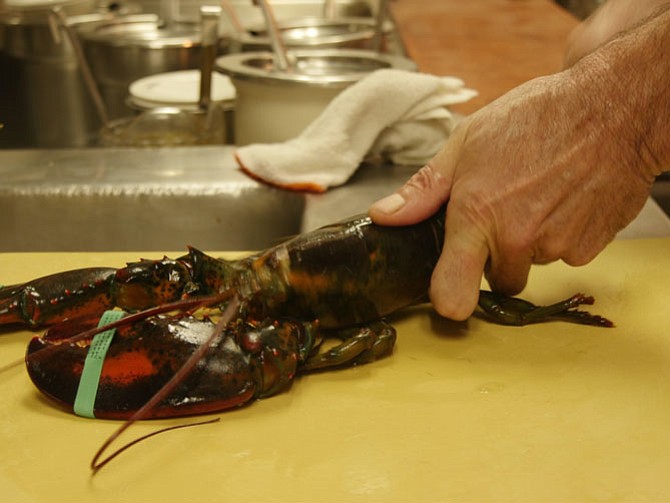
(611,18)
(630,76)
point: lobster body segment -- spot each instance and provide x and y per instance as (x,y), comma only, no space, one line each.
(348,273)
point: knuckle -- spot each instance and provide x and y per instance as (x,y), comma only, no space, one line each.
(506,282)
(473,208)
(580,256)
(548,251)
(428,179)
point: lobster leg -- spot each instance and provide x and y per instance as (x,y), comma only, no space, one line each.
(519,312)
(359,345)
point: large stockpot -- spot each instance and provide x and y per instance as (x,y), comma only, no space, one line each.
(186,107)
(43,100)
(273,105)
(125,50)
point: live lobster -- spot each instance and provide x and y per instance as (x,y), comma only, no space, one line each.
(338,281)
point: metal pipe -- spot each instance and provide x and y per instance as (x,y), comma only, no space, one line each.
(378,36)
(233,17)
(330,9)
(209,37)
(57,15)
(281,58)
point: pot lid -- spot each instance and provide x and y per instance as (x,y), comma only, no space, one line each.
(40,4)
(179,89)
(37,11)
(131,31)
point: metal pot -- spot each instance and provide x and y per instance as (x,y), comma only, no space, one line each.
(197,102)
(273,105)
(130,48)
(43,101)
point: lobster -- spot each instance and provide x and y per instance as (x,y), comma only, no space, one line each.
(339,281)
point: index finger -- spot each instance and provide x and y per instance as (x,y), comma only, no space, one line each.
(457,277)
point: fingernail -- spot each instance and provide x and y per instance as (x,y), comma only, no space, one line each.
(390,204)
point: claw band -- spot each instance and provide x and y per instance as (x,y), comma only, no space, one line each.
(90,375)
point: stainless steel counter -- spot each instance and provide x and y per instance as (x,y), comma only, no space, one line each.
(126,199)
(164,199)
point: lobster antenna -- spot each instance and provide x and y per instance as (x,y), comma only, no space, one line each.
(97,463)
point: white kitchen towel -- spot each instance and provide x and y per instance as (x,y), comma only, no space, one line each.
(394,114)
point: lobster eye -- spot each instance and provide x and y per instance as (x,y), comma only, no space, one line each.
(251,341)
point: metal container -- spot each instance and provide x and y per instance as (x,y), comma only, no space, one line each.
(128,49)
(186,107)
(313,33)
(167,127)
(274,106)
(43,100)
(170,114)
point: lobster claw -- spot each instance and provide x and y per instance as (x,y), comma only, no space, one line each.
(57,297)
(141,359)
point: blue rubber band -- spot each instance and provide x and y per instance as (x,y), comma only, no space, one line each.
(84,402)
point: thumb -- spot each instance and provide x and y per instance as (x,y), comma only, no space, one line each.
(421,196)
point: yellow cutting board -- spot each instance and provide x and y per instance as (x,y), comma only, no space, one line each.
(466,411)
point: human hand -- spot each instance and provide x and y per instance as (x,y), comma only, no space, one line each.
(549,171)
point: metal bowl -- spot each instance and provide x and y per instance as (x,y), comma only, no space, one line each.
(273,105)
(316,68)
(313,32)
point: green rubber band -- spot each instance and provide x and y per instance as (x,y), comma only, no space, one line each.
(90,375)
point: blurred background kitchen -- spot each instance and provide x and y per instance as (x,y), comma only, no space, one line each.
(81,61)
(76,75)
(84,60)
